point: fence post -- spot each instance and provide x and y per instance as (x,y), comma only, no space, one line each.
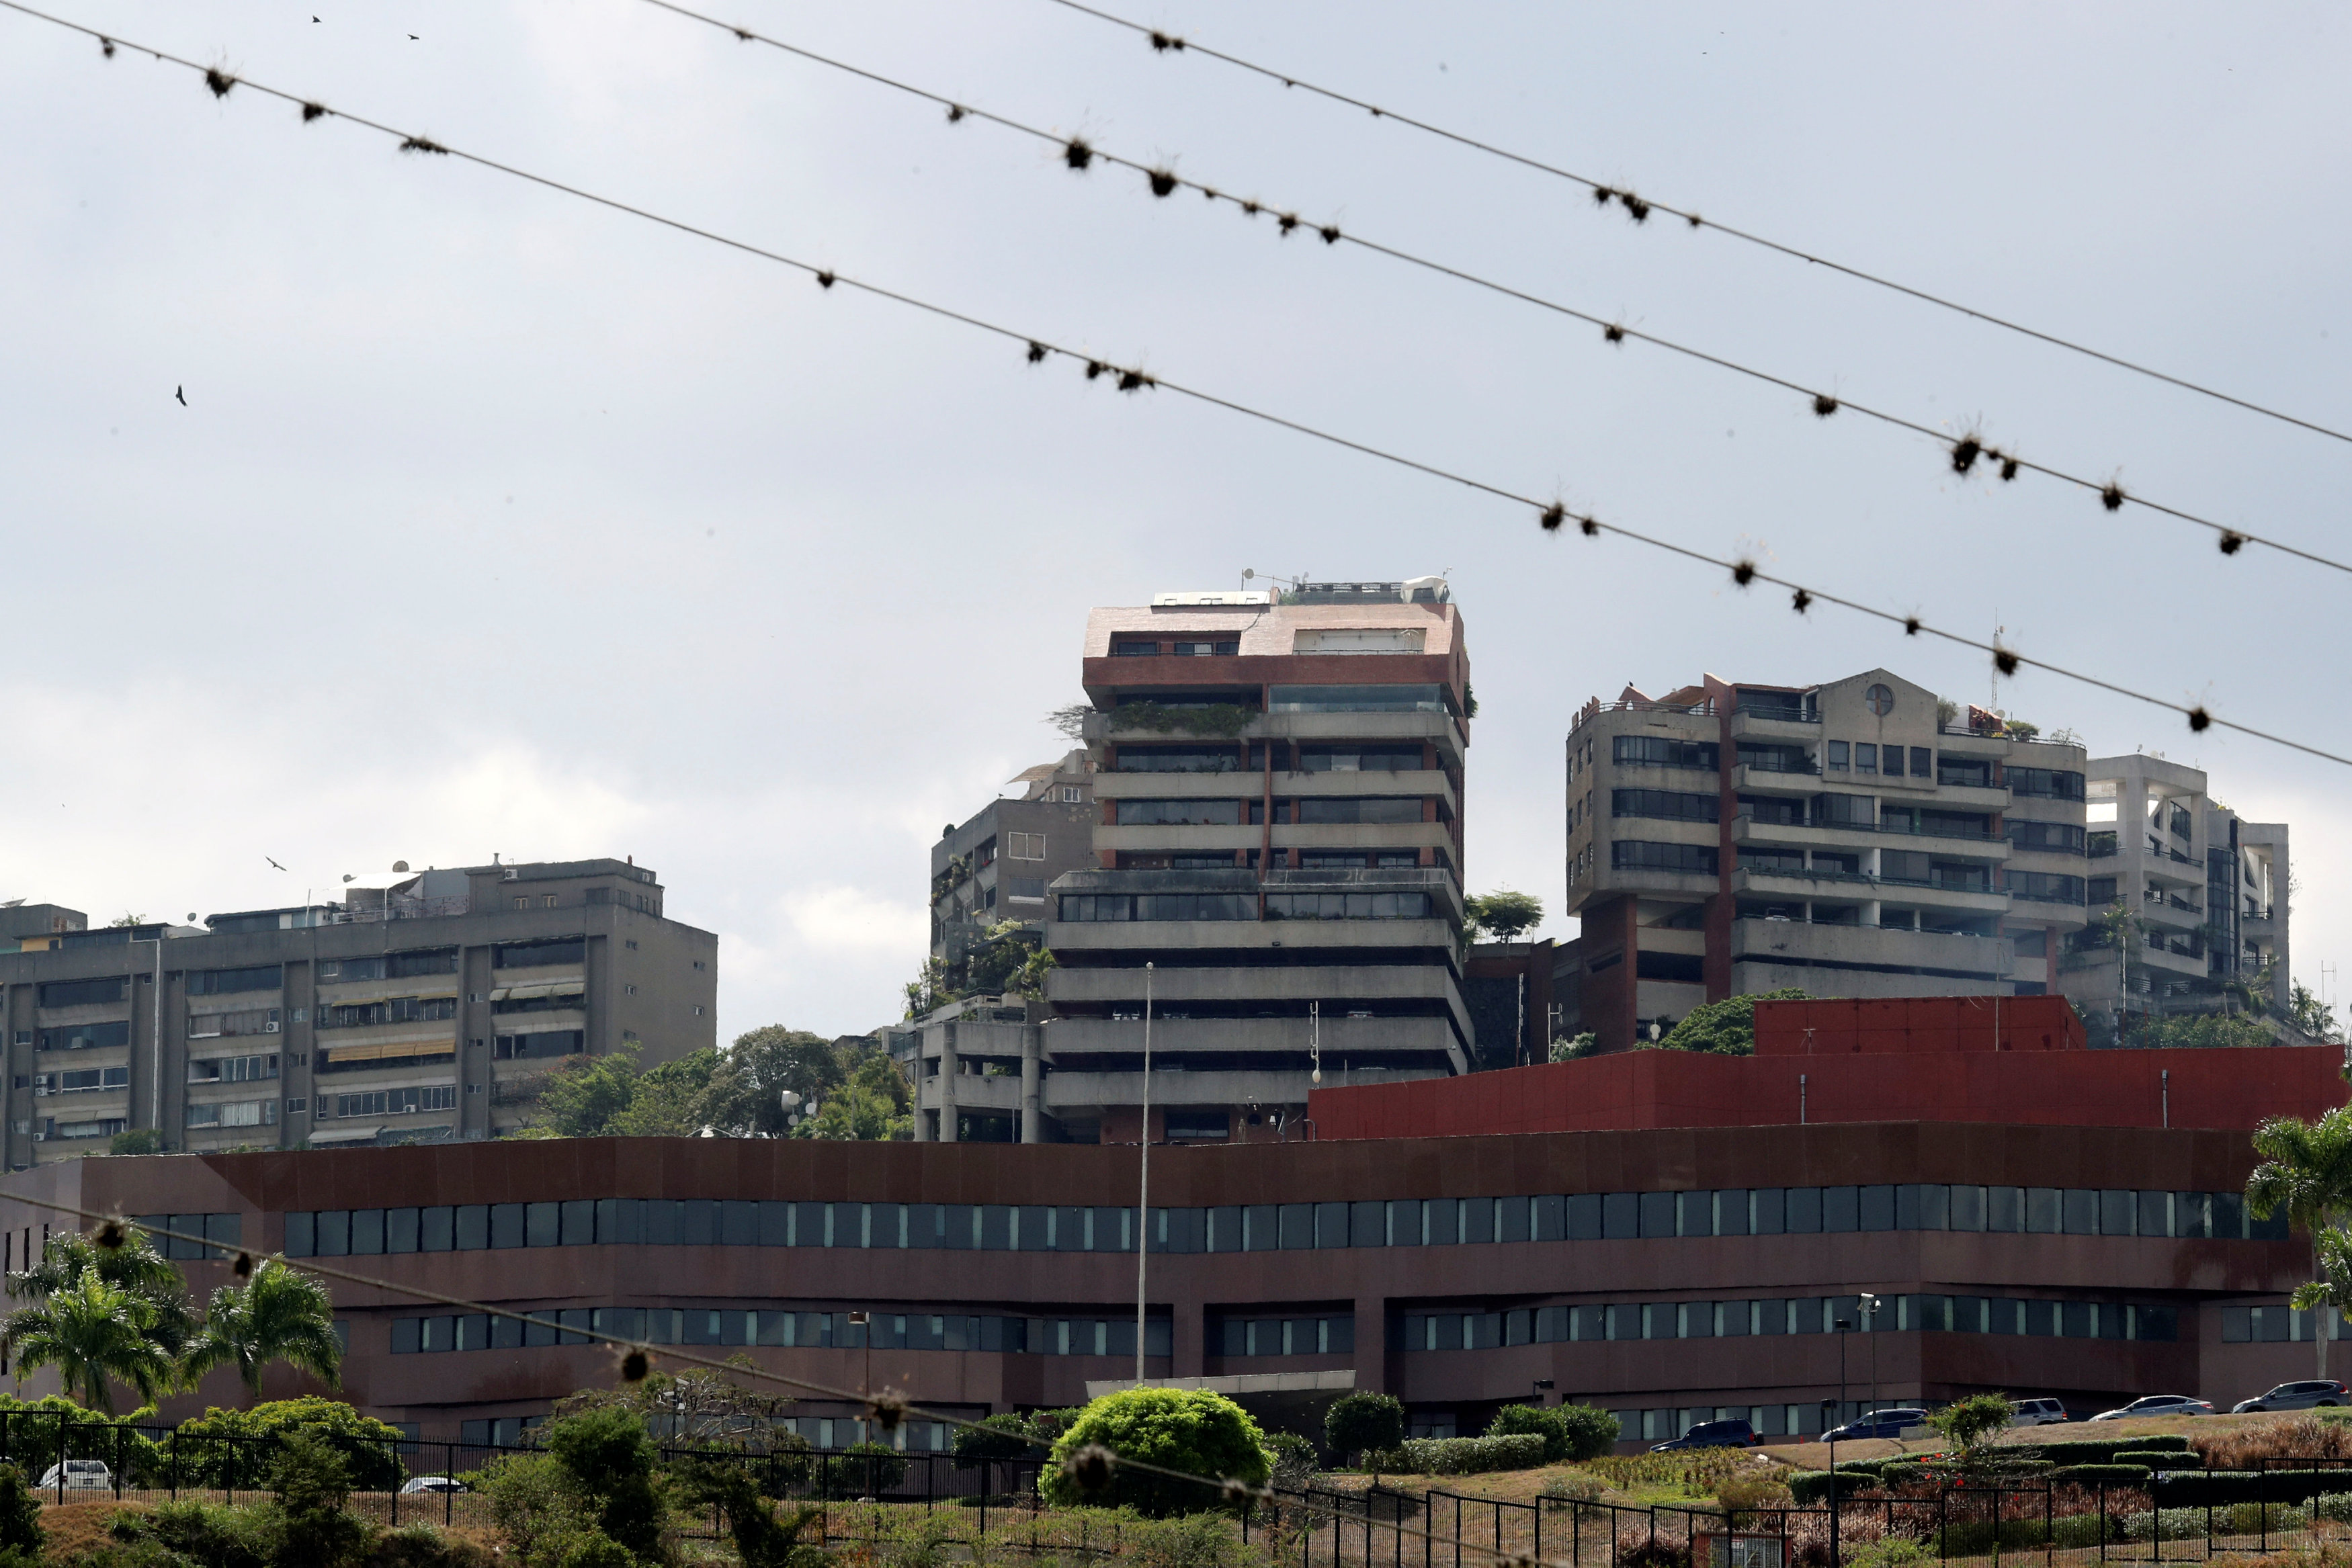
(61,1458)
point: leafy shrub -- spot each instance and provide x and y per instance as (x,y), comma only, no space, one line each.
(305,1523)
(1196,1431)
(1892,1551)
(996,1438)
(538,1507)
(1295,1460)
(2221,1489)
(1574,1486)
(423,1546)
(1358,1422)
(1751,1490)
(1532,1420)
(2299,1437)
(237,1447)
(1810,1489)
(1472,1455)
(1591,1431)
(2161,1459)
(866,1469)
(1196,1540)
(1655,1554)
(2101,1475)
(761,1538)
(20,1515)
(2103,1450)
(608,1457)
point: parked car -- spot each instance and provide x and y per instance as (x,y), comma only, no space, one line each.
(2040,1412)
(1878,1424)
(433,1484)
(78,1475)
(1712,1435)
(2296,1397)
(2157,1404)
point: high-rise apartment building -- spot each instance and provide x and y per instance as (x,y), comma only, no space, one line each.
(996,866)
(2205,892)
(1855,839)
(424,1006)
(1276,851)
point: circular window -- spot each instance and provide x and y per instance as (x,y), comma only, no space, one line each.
(1881,700)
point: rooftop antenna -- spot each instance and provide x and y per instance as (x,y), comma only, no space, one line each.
(1993,701)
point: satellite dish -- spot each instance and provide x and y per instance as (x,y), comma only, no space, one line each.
(347,876)
(400,866)
(11,904)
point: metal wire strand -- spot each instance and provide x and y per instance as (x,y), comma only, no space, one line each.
(1166,42)
(1130,379)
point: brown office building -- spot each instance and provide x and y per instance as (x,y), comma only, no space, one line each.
(1667,1273)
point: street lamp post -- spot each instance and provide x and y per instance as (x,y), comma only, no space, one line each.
(1829,1429)
(1543,1386)
(1143,1183)
(1866,1309)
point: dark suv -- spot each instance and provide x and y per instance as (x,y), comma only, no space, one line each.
(2296,1396)
(1712,1435)
(1879,1423)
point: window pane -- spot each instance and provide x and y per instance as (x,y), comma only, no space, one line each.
(1840,1208)
(1621,1215)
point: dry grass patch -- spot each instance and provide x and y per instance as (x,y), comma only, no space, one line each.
(78,1528)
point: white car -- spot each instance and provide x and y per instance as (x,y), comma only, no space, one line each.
(2040,1412)
(78,1475)
(433,1484)
(2157,1404)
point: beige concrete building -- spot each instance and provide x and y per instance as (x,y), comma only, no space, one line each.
(1858,837)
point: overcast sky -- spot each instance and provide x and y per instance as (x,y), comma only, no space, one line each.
(498,522)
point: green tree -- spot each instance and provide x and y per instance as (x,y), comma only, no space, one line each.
(871,1107)
(742,1099)
(1591,1431)
(135,1266)
(2306,1170)
(1727,1028)
(306,1523)
(699,1408)
(281,1315)
(1500,916)
(665,1101)
(1972,1423)
(586,1092)
(1514,1420)
(95,1334)
(761,1540)
(609,1457)
(1004,1435)
(2307,1014)
(231,1448)
(1195,1431)
(136,1141)
(1582,1045)
(1364,1422)
(930,989)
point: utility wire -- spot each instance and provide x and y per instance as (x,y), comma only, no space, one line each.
(634,1359)
(1552,514)
(1641,207)
(1964,451)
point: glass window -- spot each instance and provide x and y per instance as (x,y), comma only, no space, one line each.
(1804,1211)
(1840,1208)
(1584,1217)
(2043,1210)
(1840,755)
(1731,1212)
(1769,1207)
(506,1225)
(1865,757)
(1876,1209)
(1658,1214)
(1477,1220)
(367,1232)
(541,1224)
(2082,1211)
(1695,1213)
(1441,1218)
(1968,1208)
(334,1233)
(2118,1213)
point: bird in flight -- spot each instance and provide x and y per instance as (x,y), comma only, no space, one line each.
(273,863)
(411,37)
(181,394)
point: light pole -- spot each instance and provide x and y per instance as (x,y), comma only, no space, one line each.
(1866,1309)
(1845,1327)
(1144,1182)
(1543,1386)
(1829,1429)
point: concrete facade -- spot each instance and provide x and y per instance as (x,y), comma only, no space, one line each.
(426,1006)
(1277,843)
(2206,893)
(997,865)
(1858,837)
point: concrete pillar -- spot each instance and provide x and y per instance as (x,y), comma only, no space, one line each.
(1188,1339)
(1031,1097)
(1372,1344)
(950,1064)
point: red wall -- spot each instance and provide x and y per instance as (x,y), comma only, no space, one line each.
(1914,1024)
(2228,1089)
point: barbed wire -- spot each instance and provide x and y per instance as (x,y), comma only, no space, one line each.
(1640,207)
(1080,153)
(1087,1467)
(1552,514)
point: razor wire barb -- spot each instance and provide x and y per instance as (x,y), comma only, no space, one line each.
(1128,379)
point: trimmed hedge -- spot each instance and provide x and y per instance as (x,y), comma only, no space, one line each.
(2217,1489)
(2162,1458)
(2103,1450)
(1472,1455)
(1810,1489)
(2100,1475)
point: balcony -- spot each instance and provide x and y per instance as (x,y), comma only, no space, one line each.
(1069,985)
(1763,778)
(1748,829)
(1775,724)
(1293,1037)
(1786,941)
(1810,883)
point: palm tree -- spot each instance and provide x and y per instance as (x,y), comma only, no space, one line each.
(134,1267)
(91,1332)
(281,1315)
(2306,1170)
